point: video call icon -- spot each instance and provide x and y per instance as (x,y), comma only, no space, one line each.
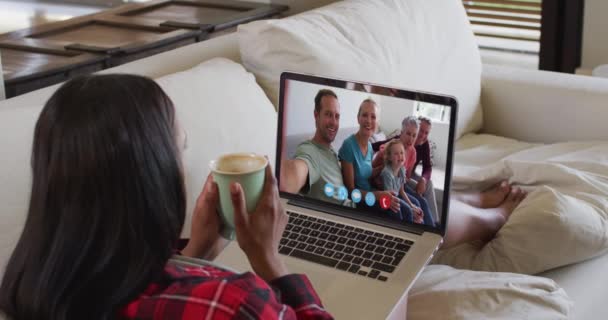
(356,196)
(342,193)
(329,190)
(370,199)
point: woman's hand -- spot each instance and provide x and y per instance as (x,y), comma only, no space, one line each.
(205,240)
(259,232)
(421,186)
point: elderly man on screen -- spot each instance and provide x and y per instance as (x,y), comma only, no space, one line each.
(422,184)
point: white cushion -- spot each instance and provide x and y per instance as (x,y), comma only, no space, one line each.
(417,44)
(442,292)
(17,124)
(563,220)
(543,106)
(585,284)
(222,110)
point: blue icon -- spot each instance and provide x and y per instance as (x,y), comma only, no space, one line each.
(356,196)
(370,199)
(329,190)
(342,193)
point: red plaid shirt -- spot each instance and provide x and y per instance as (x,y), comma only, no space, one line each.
(205,292)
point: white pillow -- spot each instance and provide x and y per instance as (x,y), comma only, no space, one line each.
(18,125)
(417,44)
(442,292)
(563,220)
(222,110)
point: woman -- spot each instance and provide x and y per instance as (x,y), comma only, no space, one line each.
(356,162)
(106,210)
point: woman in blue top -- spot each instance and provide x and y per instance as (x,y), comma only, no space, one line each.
(356,160)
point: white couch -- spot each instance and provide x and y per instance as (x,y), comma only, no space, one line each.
(534,106)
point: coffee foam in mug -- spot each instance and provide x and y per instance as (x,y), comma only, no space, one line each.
(240,163)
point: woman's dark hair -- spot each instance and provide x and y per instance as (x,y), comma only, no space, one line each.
(107,202)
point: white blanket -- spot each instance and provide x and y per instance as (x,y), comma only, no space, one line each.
(442,292)
(564,218)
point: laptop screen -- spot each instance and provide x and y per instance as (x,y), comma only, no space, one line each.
(368,152)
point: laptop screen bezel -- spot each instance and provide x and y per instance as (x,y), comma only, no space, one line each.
(353,213)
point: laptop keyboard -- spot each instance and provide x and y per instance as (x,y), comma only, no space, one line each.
(363,252)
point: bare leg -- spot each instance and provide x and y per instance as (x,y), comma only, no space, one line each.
(468,223)
(490,198)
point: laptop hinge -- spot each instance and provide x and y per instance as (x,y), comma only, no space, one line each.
(368,218)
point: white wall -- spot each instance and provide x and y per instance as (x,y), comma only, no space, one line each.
(595,38)
(392,112)
(440,133)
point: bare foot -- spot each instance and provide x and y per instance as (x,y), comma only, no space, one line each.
(493,197)
(490,198)
(468,223)
(497,217)
(513,199)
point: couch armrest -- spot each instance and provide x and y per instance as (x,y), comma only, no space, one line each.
(541,106)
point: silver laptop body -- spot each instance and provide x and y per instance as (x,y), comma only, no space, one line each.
(374,260)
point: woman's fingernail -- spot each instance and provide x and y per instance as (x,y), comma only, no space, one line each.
(234,188)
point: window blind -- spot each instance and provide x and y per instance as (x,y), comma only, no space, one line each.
(511,25)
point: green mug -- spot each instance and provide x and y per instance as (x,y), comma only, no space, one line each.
(248,170)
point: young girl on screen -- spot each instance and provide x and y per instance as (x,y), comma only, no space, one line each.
(393,177)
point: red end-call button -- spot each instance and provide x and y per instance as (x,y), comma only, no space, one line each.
(385,202)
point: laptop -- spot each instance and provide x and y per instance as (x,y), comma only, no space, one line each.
(360,258)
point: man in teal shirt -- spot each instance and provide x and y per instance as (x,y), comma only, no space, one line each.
(316,163)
